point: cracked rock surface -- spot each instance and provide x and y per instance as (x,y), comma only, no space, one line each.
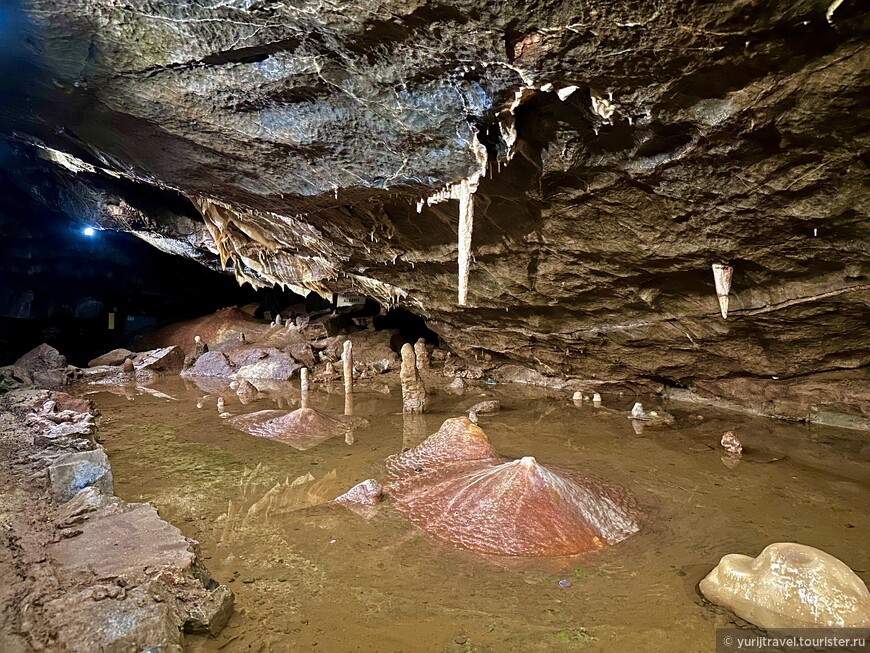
(84,570)
(628,147)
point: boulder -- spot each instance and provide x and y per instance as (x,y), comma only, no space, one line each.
(276,368)
(73,472)
(114,357)
(789,586)
(78,509)
(373,350)
(41,359)
(212,363)
(249,354)
(165,359)
(123,542)
(304,354)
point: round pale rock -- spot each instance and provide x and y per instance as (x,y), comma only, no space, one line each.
(789,586)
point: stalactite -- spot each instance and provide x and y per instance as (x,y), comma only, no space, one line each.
(466,225)
(722,278)
(463,191)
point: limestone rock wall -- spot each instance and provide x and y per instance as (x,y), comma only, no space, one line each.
(616,151)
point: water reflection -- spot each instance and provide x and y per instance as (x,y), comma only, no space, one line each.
(258,502)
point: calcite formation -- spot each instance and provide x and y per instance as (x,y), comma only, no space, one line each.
(454,486)
(302,429)
(572,196)
(790,586)
(414,398)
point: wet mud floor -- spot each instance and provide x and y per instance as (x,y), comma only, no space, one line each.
(310,576)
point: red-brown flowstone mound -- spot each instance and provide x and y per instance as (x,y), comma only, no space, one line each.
(455,487)
(302,429)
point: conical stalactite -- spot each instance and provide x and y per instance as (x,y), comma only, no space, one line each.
(722,278)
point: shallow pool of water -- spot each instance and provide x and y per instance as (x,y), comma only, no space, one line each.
(310,575)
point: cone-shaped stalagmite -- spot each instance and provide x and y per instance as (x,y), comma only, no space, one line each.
(722,278)
(413,393)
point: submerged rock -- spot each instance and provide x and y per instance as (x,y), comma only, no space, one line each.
(489,407)
(731,443)
(455,487)
(789,586)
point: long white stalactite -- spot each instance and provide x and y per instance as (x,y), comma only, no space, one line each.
(466,224)
(463,191)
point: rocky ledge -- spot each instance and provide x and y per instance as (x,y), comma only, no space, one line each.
(84,570)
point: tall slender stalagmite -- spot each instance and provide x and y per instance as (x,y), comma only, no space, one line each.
(422,354)
(303,385)
(414,398)
(347,366)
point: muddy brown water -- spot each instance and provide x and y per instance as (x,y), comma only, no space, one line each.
(311,576)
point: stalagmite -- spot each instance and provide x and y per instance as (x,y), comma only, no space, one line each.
(422,354)
(128,366)
(596,399)
(303,385)
(347,366)
(722,277)
(278,320)
(414,398)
